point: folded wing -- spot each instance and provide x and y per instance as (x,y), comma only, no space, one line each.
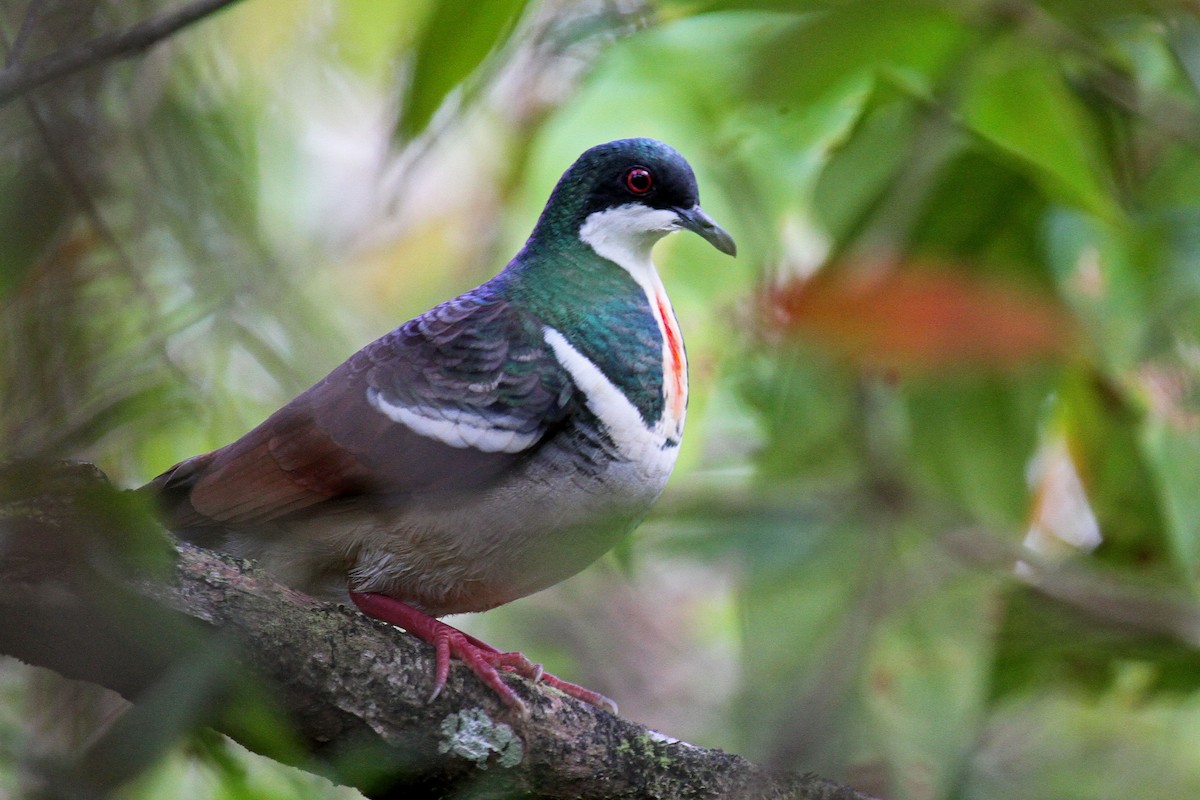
(447,403)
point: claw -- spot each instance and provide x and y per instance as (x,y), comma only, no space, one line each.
(579,693)
(481,658)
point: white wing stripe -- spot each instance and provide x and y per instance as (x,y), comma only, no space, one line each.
(454,427)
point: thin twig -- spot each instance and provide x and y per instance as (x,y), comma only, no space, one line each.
(33,13)
(19,78)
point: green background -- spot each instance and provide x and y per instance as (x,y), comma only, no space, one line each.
(936,524)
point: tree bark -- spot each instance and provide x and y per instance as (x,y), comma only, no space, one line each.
(92,590)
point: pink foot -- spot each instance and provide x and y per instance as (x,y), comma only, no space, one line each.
(482,659)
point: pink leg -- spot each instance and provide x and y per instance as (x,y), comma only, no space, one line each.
(482,659)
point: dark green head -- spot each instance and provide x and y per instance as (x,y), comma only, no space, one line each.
(627,194)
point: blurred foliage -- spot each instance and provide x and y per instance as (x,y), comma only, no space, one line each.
(936,528)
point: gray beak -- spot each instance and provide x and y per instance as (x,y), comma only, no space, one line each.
(694,219)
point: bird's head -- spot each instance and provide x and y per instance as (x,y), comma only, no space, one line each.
(623,196)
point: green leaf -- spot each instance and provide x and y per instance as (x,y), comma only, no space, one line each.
(33,209)
(973,438)
(1017,100)
(912,43)
(1103,431)
(180,702)
(1044,643)
(1173,456)
(863,168)
(998,233)
(457,37)
(798,384)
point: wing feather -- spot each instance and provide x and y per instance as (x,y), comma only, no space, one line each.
(472,374)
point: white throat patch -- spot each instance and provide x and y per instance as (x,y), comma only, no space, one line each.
(626,234)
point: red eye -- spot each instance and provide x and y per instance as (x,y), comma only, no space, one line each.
(638,180)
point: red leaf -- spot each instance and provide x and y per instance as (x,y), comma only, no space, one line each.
(886,316)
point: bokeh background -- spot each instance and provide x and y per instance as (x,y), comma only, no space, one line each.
(936,526)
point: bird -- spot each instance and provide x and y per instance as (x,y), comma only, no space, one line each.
(490,447)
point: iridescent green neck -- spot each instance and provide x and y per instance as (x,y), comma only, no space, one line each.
(600,309)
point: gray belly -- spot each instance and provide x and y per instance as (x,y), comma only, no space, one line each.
(452,554)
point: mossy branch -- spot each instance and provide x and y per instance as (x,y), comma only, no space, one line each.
(181,640)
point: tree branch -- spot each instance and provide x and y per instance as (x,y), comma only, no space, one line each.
(348,684)
(19,78)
